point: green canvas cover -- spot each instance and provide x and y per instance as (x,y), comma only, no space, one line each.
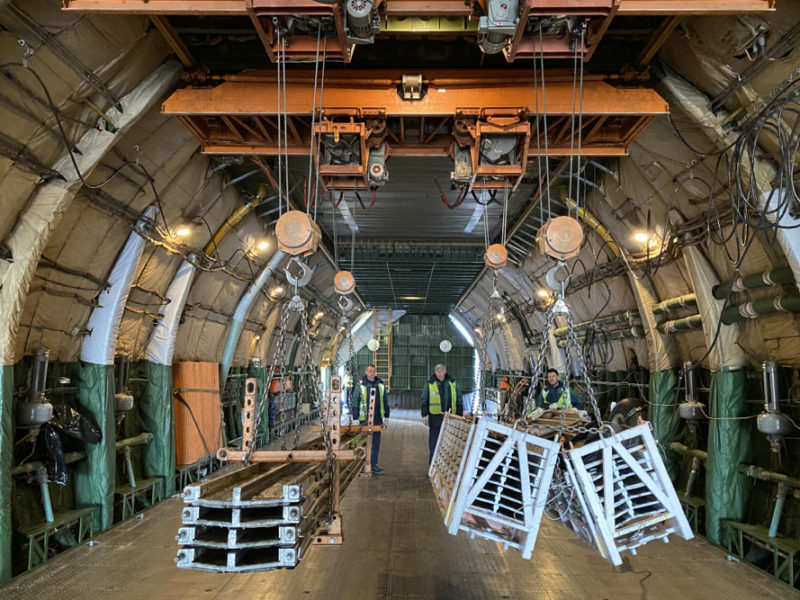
(727,490)
(158,417)
(95,477)
(663,415)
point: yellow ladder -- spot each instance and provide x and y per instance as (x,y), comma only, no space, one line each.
(382,332)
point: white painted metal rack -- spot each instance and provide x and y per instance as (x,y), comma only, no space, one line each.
(624,492)
(501,484)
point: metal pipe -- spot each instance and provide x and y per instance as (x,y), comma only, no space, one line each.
(32,467)
(763,306)
(765,475)
(126,452)
(686,451)
(41,477)
(755,281)
(769,370)
(137,440)
(685,324)
(38,374)
(691,389)
(780,500)
(240,178)
(676,303)
(621,384)
(692,476)
(623,317)
(784,483)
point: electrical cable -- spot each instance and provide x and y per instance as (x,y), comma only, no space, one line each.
(56,113)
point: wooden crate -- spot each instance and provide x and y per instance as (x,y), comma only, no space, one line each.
(197,417)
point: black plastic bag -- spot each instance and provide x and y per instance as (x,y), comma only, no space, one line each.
(49,442)
(75,424)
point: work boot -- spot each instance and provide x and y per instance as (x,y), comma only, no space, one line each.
(378,471)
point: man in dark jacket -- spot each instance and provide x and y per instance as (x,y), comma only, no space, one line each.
(441,395)
(556,395)
(359,409)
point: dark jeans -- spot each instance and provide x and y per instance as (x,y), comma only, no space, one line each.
(435,427)
(376,448)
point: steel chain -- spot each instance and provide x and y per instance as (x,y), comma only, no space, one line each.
(550,317)
(278,359)
(559,307)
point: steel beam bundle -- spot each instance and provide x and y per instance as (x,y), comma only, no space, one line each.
(618,495)
(502,482)
(257,517)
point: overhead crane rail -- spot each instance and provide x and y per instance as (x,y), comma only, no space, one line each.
(518,29)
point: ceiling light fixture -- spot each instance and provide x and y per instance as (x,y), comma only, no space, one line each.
(543,293)
(183,231)
(263,245)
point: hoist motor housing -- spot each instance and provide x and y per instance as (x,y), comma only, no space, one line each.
(498,25)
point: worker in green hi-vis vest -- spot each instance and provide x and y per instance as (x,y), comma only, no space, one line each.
(360,410)
(557,395)
(440,396)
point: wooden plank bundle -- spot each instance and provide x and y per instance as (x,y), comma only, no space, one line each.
(197,410)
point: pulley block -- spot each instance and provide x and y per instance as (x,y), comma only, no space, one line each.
(297,233)
(560,238)
(344,283)
(495,256)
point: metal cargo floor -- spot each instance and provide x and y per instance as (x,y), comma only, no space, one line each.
(395,547)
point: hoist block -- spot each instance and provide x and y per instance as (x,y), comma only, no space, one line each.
(560,238)
(297,233)
(501,485)
(495,256)
(344,283)
(623,497)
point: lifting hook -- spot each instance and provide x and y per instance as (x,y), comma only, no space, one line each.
(305,273)
(345,304)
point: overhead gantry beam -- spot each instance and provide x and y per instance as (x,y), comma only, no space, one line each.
(550,28)
(409,8)
(239,116)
